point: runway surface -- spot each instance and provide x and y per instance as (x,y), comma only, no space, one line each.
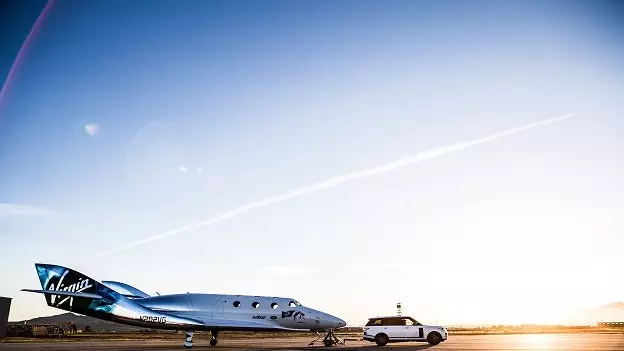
(527,342)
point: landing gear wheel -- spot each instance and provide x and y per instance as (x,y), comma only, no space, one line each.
(330,339)
(434,338)
(213,341)
(188,342)
(381,339)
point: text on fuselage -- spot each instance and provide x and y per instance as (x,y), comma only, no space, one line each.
(153,319)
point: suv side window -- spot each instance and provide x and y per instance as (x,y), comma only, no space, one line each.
(374,322)
(393,321)
(408,321)
(413,321)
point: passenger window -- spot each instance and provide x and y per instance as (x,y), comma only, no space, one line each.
(274,305)
(255,305)
(408,322)
(236,303)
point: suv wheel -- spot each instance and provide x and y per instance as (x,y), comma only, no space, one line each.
(434,338)
(381,339)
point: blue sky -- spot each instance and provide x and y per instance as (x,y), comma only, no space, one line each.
(204,106)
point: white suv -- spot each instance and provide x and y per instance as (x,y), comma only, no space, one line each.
(383,330)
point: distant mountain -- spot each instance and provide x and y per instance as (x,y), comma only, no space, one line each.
(615,305)
(613,312)
(81,322)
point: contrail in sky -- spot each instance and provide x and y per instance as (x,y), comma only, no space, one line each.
(334,181)
(19,58)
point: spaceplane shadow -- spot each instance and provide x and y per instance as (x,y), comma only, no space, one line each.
(373,347)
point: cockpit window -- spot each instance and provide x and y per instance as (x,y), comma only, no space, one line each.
(255,304)
(294,303)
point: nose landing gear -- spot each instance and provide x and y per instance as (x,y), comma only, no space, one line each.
(330,339)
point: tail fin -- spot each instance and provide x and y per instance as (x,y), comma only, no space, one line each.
(59,278)
(69,290)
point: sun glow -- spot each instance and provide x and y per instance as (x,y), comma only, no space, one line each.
(536,340)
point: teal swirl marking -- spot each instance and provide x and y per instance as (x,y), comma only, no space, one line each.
(108,301)
(47,272)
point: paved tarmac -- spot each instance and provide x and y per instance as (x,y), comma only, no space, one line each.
(527,342)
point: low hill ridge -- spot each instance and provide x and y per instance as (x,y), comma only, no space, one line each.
(81,322)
